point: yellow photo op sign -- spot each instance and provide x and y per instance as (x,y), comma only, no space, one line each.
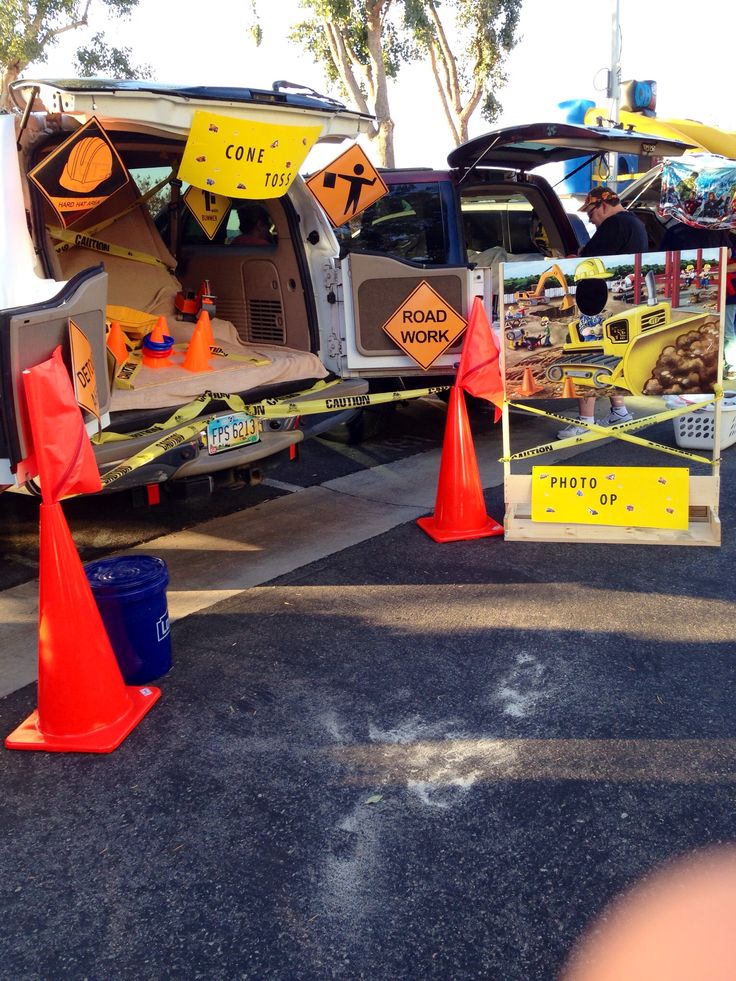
(244,159)
(642,497)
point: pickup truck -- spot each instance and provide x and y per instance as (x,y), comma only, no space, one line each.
(299,317)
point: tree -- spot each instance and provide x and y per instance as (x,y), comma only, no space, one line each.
(360,46)
(485,32)
(363,43)
(28,30)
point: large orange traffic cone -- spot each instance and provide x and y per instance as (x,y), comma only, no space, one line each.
(459,511)
(528,385)
(204,319)
(568,390)
(198,353)
(116,342)
(84,705)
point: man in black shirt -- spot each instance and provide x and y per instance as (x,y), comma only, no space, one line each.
(617,231)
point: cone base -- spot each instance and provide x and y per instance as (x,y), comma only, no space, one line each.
(28,735)
(429,525)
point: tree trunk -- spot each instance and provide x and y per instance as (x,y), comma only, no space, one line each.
(9,75)
(384,137)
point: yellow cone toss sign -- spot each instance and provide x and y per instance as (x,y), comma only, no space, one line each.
(244,159)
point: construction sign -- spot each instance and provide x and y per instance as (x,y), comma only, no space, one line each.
(81,173)
(244,159)
(645,497)
(83,370)
(425,325)
(210,210)
(347,186)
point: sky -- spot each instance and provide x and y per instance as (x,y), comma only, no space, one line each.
(563,53)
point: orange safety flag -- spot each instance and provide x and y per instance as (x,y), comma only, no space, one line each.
(479,371)
(64,455)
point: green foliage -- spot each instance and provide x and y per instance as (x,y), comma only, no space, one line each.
(105,61)
(28,30)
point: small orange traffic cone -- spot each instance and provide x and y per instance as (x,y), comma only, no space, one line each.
(116,342)
(459,511)
(198,353)
(84,705)
(528,385)
(568,391)
(160,331)
(204,319)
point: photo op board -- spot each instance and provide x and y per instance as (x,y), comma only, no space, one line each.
(648,328)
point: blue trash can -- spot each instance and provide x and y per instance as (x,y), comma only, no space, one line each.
(130,591)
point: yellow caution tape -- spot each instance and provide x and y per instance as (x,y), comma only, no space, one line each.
(85,241)
(269,408)
(125,374)
(620,431)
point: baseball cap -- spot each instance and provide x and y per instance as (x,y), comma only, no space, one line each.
(598,195)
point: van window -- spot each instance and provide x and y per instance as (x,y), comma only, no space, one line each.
(408,223)
(503,220)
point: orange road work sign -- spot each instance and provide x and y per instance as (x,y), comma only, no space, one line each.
(347,186)
(425,325)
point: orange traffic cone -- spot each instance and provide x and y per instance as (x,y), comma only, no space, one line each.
(528,385)
(116,342)
(459,511)
(204,319)
(84,705)
(568,390)
(198,353)
(160,331)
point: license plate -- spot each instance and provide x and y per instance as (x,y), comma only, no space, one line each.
(227,432)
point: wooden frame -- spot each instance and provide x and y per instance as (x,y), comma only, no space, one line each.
(704,526)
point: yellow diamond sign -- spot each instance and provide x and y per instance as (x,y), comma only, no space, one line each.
(425,325)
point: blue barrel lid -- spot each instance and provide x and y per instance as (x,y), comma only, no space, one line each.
(126,573)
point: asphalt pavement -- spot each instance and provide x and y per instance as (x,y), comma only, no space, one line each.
(397,759)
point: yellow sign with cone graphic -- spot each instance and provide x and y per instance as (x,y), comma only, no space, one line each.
(425,325)
(242,158)
(347,186)
(642,497)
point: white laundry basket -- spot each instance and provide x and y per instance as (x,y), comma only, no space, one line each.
(696,430)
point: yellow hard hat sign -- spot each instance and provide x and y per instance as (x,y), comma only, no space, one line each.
(425,325)
(83,370)
(347,186)
(209,209)
(244,159)
(81,173)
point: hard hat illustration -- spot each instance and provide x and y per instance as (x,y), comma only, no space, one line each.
(591,269)
(89,164)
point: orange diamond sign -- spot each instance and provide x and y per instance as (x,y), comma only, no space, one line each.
(347,186)
(425,325)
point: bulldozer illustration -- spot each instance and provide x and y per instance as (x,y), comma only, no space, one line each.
(627,345)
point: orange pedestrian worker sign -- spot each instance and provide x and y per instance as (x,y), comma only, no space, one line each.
(425,325)
(347,186)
